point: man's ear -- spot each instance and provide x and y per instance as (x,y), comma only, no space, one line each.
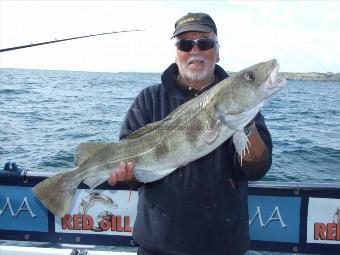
(217,56)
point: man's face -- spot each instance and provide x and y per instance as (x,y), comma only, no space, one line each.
(197,64)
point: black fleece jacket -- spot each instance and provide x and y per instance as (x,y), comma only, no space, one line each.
(201,208)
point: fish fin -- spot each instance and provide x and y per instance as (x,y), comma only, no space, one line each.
(56,192)
(214,132)
(237,121)
(241,143)
(94,181)
(144,175)
(86,150)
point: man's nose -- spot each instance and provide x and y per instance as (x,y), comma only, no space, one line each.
(195,49)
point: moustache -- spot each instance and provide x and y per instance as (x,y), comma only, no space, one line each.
(195,58)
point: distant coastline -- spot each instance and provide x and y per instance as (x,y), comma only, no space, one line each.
(312,76)
(335,77)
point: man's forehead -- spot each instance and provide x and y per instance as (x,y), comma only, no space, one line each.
(195,35)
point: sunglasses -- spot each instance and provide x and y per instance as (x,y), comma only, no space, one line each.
(203,44)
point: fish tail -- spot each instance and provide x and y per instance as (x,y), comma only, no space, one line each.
(56,192)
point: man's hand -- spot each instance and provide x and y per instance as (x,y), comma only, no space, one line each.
(123,173)
(256,148)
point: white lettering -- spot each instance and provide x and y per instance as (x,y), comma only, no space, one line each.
(258,212)
(26,208)
(276,211)
(23,207)
(8,204)
(272,218)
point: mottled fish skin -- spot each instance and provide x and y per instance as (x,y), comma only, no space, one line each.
(193,130)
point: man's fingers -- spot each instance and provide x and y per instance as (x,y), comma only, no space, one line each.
(129,174)
(122,166)
(113,178)
(123,173)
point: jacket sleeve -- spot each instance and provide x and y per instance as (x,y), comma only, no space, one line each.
(255,170)
(136,117)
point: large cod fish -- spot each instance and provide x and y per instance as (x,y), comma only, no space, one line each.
(193,130)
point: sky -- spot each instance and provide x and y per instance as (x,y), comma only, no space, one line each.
(303,35)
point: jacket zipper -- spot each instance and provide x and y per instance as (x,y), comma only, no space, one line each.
(232,184)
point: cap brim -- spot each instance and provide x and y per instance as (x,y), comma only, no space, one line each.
(193,27)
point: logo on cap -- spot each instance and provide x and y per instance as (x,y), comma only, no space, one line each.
(181,22)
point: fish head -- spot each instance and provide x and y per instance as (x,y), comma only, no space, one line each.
(262,79)
(252,86)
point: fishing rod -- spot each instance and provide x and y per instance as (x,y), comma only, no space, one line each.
(68,39)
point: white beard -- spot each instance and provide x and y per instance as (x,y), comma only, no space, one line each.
(191,75)
(196,76)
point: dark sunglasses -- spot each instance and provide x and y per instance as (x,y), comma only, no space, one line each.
(203,44)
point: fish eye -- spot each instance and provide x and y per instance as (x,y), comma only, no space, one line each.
(249,76)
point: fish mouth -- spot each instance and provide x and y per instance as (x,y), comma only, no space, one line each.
(274,81)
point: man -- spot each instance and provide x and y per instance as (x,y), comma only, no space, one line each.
(200,208)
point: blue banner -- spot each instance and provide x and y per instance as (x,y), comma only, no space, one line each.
(274,218)
(20,210)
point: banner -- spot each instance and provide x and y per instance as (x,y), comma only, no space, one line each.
(274,218)
(323,225)
(20,210)
(104,212)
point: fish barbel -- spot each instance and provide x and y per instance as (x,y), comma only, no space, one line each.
(193,130)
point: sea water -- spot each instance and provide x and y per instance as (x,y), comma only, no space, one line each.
(45,114)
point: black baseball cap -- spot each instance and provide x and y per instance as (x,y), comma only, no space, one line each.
(200,22)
